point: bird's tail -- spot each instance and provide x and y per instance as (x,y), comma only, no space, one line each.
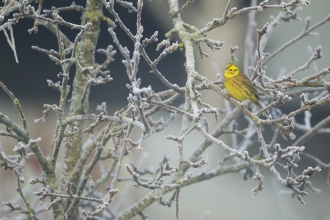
(261,107)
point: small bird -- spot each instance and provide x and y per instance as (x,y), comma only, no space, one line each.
(239,86)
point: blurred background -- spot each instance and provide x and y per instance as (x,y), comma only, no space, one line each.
(224,197)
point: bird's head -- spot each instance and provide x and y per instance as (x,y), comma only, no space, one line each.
(231,70)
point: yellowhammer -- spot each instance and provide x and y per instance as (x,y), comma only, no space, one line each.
(239,85)
(241,88)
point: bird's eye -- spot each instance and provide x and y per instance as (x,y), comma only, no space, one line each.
(231,70)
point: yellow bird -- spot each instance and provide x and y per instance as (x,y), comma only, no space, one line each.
(239,86)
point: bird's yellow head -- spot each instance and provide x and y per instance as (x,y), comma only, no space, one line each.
(231,70)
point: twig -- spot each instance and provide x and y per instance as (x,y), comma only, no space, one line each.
(11,40)
(188,3)
(304,33)
(307,135)
(17,104)
(88,170)
(109,7)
